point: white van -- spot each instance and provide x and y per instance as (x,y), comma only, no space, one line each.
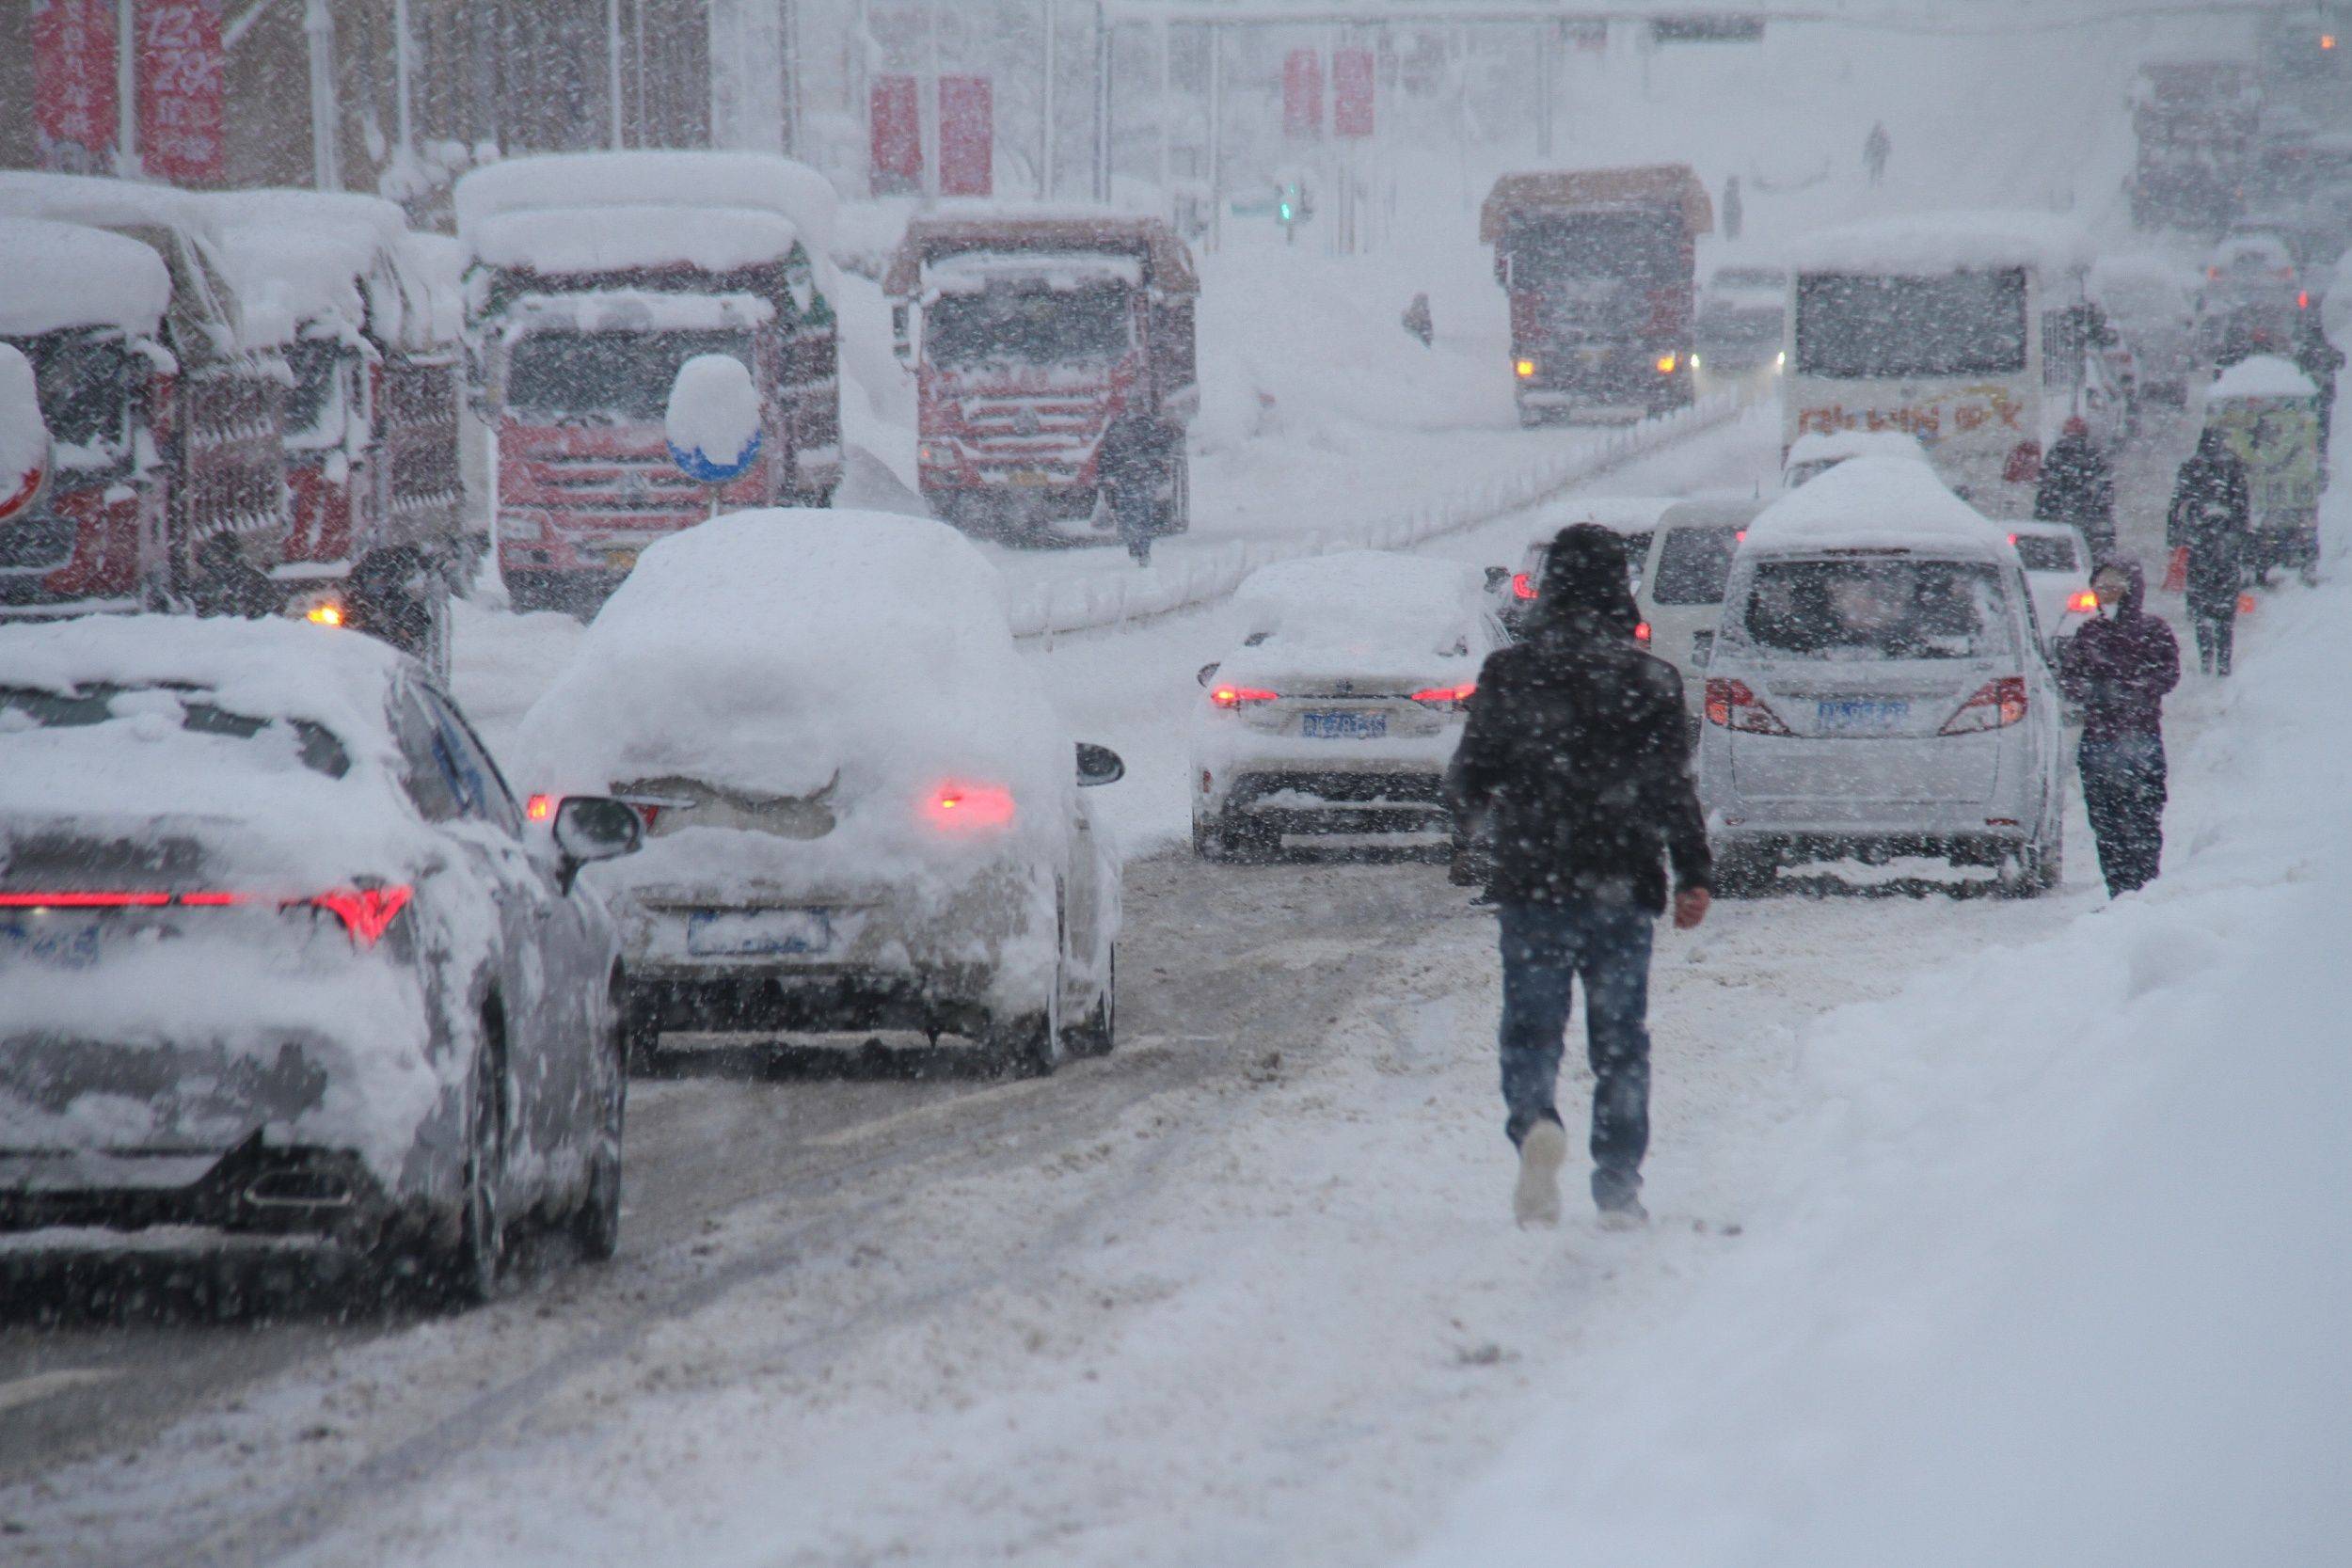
(1878,688)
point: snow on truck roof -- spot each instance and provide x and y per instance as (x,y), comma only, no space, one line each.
(592,239)
(55,276)
(105,203)
(288,278)
(751,182)
(1925,243)
(1875,502)
(2265,375)
(1564,190)
(1061,269)
(1040,232)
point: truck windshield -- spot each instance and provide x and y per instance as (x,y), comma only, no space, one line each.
(607,377)
(84,382)
(1026,326)
(1877,609)
(1865,325)
(1634,247)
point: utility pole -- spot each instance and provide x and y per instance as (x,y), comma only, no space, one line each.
(403,47)
(1168,108)
(1547,37)
(126,91)
(1102,104)
(318,27)
(1216,134)
(613,67)
(1053,71)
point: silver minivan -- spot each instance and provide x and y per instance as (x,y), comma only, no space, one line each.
(1878,688)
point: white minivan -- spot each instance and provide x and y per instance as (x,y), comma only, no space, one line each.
(1877,689)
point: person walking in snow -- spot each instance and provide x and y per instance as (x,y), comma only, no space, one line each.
(1733,215)
(2210,516)
(2117,669)
(1876,147)
(1419,321)
(2078,488)
(1577,744)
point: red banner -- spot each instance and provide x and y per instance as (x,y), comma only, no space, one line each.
(182,70)
(1302,93)
(74,83)
(897,152)
(1351,92)
(967,136)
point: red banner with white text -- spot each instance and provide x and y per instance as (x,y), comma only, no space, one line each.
(74,83)
(182,77)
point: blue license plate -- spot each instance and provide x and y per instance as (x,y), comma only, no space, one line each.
(759,933)
(1343,725)
(57,941)
(1854,717)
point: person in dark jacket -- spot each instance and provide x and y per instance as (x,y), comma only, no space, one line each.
(2078,488)
(2117,669)
(2210,515)
(1577,745)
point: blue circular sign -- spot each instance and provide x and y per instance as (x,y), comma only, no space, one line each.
(703,468)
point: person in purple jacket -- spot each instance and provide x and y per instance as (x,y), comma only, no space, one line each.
(2118,668)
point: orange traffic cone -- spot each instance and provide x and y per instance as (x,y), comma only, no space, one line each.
(2246,604)
(2176,572)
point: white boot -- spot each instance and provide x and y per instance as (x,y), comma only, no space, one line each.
(1541,1151)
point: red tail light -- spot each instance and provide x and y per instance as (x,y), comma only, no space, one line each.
(2083,603)
(2024,464)
(2303,299)
(1735,706)
(1997,705)
(83,900)
(1242,696)
(966,808)
(367,913)
(1447,696)
(1641,631)
(1522,586)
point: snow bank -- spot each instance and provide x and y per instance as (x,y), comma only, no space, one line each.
(2265,375)
(1874,500)
(2059,1267)
(1928,243)
(61,274)
(753,182)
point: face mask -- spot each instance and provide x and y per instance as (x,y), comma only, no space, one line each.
(2109,611)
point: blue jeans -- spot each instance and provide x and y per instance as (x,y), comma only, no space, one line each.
(1545,949)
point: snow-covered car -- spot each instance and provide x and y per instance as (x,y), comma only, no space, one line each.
(2057,567)
(1876,691)
(861,810)
(281,955)
(1816,452)
(2147,302)
(1741,323)
(1336,717)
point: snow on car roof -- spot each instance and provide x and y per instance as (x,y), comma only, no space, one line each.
(781,650)
(1837,446)
(1928,243)
(2265,375)
(1874,501)
(61,274)
(2255,249)
(759,182)
(1352,605)
(651,235)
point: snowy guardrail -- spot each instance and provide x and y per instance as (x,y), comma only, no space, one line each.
(1057,606)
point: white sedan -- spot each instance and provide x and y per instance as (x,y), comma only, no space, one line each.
(1334,720)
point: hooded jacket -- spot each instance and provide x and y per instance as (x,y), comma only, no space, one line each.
(2077,486)
(2119,669)
(1576,742)
(2210,514)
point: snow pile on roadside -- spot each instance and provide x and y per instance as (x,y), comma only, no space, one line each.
(2059,1267)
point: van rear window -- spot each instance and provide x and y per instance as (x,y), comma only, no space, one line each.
(1877,609)
(1694,565)
(2039,552)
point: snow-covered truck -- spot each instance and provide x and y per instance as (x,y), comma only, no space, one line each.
(1054,363)
(592,279)
(166,415)
(370,326)
(1600,266)
(2195,122)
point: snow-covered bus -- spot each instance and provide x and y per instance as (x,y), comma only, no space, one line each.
(1970,331)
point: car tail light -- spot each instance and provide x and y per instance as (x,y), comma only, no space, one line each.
(540,807)
(2303,299)
(1732,705)
(966,808)
(1522,586)
(1447,696)
(367,912)
(1997,705)
(2024,464)
(1641,631)
(2083,603)
(1242,696)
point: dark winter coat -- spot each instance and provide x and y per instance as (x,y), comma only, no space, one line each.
(2117,671)
(1578,744)
(2210,514)
(2077,487)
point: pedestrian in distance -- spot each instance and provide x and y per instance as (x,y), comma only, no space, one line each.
(2210,516)
(1578,745)
(1876,148)
(2078,488)
(2117,669)
(1419,321)
(1733,215)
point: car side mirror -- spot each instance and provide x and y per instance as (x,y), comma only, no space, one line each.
(1098,765)
(1208,672)
(1496,578)
(594,828)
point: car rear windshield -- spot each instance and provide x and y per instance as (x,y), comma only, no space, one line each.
(23,708)
(1876,608)
(2039,552)
(1636,555)
(1694,565)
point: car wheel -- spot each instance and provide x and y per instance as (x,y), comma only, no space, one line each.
(597,1226)
(1100,1032)
(1026,1047)
(469,1272)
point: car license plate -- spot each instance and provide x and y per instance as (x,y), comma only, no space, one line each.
(55,941)
(1340,725)
(621,561)
(1847,716)
(759,933)
(1029,477)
